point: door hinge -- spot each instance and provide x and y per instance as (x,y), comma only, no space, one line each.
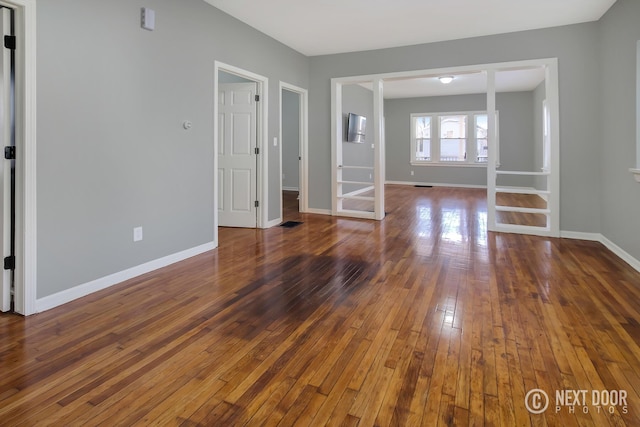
(257,98)
(256,203)
(10,263)
(10,152)
(256,150)
(10,42)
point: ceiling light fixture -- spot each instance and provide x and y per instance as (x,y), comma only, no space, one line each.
(446,79)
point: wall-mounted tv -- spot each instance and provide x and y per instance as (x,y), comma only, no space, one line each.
(356,126)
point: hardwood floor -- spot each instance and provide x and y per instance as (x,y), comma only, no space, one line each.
(421,319)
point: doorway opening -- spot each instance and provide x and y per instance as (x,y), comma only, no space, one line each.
(240,118)
(293,147)
(468,156)
(23,133)
(7,165)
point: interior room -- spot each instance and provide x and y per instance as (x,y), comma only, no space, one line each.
(227,213)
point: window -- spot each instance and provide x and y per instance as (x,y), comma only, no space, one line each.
(422,128)
(453,138)
(446,138)
(482,143)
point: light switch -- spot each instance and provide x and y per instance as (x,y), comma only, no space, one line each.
(148,18)
(275,141)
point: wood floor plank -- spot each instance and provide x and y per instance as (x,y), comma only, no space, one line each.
(424,318)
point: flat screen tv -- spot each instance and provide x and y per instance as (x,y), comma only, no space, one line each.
(356,126)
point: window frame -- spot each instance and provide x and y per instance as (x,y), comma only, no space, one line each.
(470,144)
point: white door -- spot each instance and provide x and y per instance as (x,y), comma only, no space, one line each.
(5,165)
(237,164)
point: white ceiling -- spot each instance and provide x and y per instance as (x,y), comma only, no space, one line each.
(319,27)
(520,80)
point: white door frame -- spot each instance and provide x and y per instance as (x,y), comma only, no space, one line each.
(262,117)
(552,96)
(551,172)
(303,149)
(25,277)
(337,136)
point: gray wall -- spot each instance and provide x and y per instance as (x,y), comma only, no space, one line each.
(515,111)
(397,114)
(290,139)
(620,196)
(112,153)
(576,48)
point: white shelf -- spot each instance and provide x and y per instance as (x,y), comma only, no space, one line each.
(522,210)
(355,167)
(365,198)
(515,190)
(522,173)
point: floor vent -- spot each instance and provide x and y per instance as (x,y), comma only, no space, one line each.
(290,224)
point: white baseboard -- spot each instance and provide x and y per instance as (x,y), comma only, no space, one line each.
(85,289)
(597,237)
(594,237)
(624,255)
(318,211)
(273,222)
(433,184)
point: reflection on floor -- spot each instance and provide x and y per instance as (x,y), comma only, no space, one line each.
(523,201)
(424,318)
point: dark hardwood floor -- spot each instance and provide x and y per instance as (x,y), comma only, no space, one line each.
(424,318)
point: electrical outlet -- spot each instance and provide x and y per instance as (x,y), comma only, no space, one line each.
(137,234)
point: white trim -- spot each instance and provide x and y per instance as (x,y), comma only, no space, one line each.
(449,164)
(637,111)
(319,211)
(379,155)
(636,174)
(434,72)
(552,97)
(336,138)
(336,151)
(274,222)
(578,235)
(290,189)
(597,237)
(624,255)
(262,142)
(303,178)
(435,184)
(522,229)
(26,219)
(360,191)
(85,289)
